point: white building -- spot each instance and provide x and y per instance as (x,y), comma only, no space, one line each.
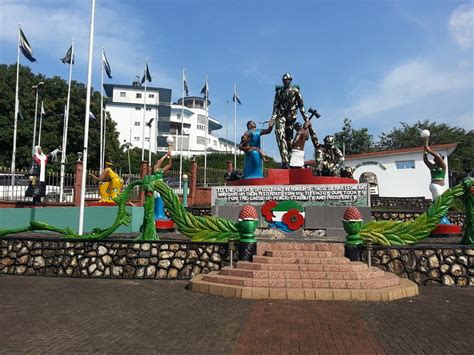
(398,173)
(186,123)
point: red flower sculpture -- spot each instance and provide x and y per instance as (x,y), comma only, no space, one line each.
(267,210)
(293,219)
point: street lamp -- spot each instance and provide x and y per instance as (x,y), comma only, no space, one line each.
(36,88)
(149,140)
(128,145)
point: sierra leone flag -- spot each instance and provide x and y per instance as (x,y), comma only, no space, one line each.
(236,98)
(205,90)
(185,85)
(106,65)
(146,75)
(69,57)
(26,48)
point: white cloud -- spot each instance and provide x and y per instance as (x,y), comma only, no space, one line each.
(461,24)
(408,83)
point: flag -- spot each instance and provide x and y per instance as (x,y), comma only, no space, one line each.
(91,116)
(19,112)
(146,75)
(42,109)
(205,90)
(185,84)
(236,98)
(106,65)
(26,48)
(69,57)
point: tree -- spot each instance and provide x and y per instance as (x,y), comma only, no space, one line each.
(355,140)
(408,135)
(54,95)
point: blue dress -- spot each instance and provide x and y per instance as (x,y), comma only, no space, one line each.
(253,166)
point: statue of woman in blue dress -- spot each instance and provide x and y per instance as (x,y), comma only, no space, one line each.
(250,144)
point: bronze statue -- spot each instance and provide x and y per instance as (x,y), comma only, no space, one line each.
(287,102)
(329,158)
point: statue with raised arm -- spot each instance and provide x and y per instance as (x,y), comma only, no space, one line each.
(250,144)
(288,101)
(297,145)
(437,170)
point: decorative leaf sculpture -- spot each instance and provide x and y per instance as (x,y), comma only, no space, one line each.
(405,233)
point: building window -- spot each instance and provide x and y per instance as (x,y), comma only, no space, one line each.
(147,139)
(123,94)
(139,95)
(215,143)
(201,127)
(178,116)
(200,140)
(138,108)
(137,123)
(405,164)
(136,139)
(151,96)
(148,108)
(201,119)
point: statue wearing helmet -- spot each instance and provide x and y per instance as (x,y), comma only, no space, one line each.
(287,102)
(329,158)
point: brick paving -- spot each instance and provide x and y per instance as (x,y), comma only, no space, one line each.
(60,315)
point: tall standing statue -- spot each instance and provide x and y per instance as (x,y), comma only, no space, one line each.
(287,102)
(438,171)
(37,174)
(251,145)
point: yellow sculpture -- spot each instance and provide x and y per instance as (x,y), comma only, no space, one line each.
(110,183)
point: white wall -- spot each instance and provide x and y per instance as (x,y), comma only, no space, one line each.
(395,182)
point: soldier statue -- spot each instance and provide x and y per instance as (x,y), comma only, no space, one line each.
(329,158)
(287,102)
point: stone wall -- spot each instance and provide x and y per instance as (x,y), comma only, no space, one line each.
(109,259)
(399,203)
(428,265)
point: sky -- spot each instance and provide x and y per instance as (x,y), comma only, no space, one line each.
(376,62)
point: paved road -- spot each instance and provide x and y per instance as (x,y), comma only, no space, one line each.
(60,315)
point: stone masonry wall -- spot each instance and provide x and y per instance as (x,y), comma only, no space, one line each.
(426,265)
(109,259)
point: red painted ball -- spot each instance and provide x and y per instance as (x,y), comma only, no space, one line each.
(352,214)
(248,212)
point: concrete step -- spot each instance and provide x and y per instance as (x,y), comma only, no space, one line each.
(348,267)
(337,249)
(298,254)
(307,275)
(405,288)
(300,260)
(385,280)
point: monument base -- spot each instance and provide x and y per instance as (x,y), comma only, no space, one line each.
(446,230)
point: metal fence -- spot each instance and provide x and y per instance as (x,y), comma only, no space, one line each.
(214,177)
(53,183)
(17,192)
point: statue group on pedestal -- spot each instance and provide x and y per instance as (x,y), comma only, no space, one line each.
(286,104)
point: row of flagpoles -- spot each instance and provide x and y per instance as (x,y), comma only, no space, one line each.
(26,50)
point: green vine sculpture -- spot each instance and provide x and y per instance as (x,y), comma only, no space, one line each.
(207,228)
(406,233)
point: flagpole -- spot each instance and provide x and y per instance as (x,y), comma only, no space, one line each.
(207,129)
(182,137)
(13,167)
(41,122)
(226,126)
(65,127)
(36,87)
(235,126)
(101,156)
(86,120)
(144,115)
